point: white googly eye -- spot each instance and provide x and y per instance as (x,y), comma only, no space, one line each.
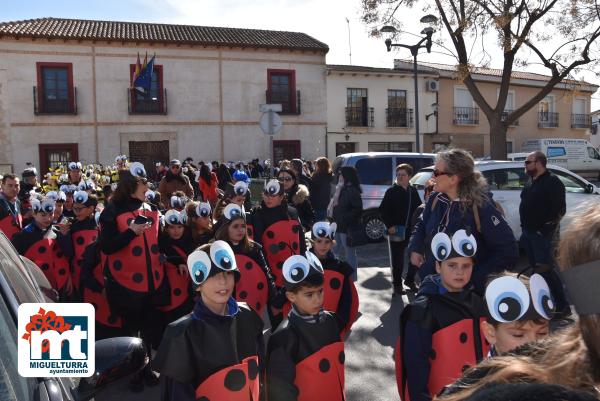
(222,255)
(80,197)
(441,246)
(48,206)
(52,195)
(233,211)
(203,209)
(507,299)
(113,186)
(464,245)
(314,262)
(184,217)
(137,170)
(149,195)
(62,196)
(295,269)
(177,202)
(64,188)
(36,205)
(541,296)
(73,166)
(321,229)
(272,187)
(198,263)
(332,230)
(240,188)
(173,217)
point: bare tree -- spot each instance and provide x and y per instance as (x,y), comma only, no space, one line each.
(557,34)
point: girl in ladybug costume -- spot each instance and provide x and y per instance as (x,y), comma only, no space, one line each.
(276,227)
(305,356)
(256,286)
(213,353)
(134,275)
(440,331)
(45,244)
(341,296)
(175,244)
(200,223)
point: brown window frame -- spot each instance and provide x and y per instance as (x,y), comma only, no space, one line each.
(292,95)
(159,77)
(40,65)
(44,147)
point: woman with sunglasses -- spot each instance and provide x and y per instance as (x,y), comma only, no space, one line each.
(135,276)
(297,195)
(461,199)
(215,352)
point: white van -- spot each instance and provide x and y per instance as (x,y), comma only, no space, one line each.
(577,155)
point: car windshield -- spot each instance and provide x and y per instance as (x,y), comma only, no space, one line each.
(14,270)
(420,179)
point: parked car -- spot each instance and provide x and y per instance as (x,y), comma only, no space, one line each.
(506,180)
(377,172)
(22,281)
(577,155)
(517,157)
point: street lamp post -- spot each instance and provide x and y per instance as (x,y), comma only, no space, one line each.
(425,43)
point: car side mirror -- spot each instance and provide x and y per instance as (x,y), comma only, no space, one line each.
(116,358)
(589,189)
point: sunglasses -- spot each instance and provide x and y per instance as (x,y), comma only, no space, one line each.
(282,179)
(176,167)
(268,195)
(437,173)
(528,162)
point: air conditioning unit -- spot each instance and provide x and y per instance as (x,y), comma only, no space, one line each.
(432,86)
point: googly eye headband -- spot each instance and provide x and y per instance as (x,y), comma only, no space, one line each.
(86,186)
(462,244)
(272,188)
(120,158)
(46,205)
(201,266)
(324,229)
(59,196)
(508,299)
(240,188)
(203,209)
(137,170)
(75,166)
(298,269)
(173,217)
(233,211)
(150,195)
(80,197)
(178,202)
(582,283)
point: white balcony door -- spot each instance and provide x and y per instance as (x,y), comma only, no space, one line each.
(579,106)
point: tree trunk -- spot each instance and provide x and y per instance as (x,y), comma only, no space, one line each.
(498,139)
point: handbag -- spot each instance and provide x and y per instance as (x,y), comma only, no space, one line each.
(356,236)
(400,234)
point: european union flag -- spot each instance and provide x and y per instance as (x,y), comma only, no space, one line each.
(144,81)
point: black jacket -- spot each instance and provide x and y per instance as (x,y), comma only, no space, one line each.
(542,203)
(298,197)
(394,206)
(320,191)
(349,209)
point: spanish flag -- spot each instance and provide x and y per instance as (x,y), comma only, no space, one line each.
(136,71)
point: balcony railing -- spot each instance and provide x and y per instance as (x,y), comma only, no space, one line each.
(581,121)
(146,105)
(287,108)
(547,119)
(397,117)
(42,104)
(505,114)
(360,117)
(466,115)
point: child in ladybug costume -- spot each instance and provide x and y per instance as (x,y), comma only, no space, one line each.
(276,227)
(305,357)
(175,244)
(200,222)
(44,244)
(213,353)
(341,296)
(440,331)
(256,286)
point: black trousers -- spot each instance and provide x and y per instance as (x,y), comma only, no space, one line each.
(397,251)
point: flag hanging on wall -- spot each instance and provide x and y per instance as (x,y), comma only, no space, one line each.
(143,82)
(136,71)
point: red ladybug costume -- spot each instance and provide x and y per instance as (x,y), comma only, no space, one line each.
(280,233)
(83,233)
(176,252)
(11,220)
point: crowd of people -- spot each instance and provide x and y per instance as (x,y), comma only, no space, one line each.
(182,258)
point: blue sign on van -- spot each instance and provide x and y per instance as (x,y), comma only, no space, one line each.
(555,151)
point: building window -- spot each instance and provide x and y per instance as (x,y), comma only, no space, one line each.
(155,101)
(54,93)
(547,118)
(358,112)
(344,147)
(509,147)
(390,146)
(464,112)
(397,115)
(286,150)
(56,154)
(282,90)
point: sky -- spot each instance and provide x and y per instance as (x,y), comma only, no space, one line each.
(324,20)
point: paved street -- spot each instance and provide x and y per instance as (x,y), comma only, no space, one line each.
(369,349)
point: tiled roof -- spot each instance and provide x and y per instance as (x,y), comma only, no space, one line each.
(60,28)
(380,70)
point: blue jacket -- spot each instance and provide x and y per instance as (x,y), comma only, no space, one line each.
(496,246)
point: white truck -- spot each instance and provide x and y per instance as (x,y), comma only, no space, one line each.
(577,155)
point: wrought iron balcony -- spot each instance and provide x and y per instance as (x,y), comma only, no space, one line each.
(547,119)
(398,117)
(505,114)
(360,117)
(138,104)
(288,107)
(466,115)
(44,103)
(581,121)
